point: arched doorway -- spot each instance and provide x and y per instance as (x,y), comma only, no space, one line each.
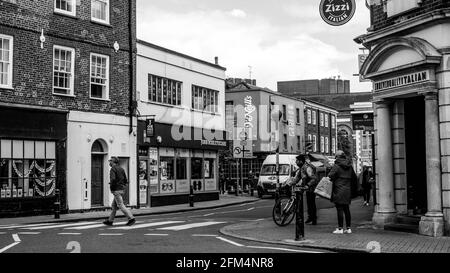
(97,170)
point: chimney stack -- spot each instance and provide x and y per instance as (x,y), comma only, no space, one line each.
(216,60)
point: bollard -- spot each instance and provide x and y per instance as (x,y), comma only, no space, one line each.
(57,204)
(191,197)
(299,217)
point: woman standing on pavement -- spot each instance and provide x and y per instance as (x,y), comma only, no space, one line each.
(341,175)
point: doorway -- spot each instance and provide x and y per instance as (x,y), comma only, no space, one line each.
(97,170)
(416,171)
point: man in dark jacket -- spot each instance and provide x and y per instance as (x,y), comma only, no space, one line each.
(342,176)
(117,185)
(307,176)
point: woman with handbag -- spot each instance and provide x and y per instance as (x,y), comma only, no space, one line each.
(344,180)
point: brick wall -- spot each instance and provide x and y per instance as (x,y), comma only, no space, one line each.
(380,20)
(32,66)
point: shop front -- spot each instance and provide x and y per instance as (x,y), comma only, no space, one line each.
(32,160)
(169,167)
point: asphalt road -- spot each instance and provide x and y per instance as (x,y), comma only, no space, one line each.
(187,232)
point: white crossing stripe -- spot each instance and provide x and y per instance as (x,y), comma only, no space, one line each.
(110,234)
(94,226)
(63,225)
(29,233)
(156,234)
(22,226)
(148,225)
(69,233)
(229,241)
(188,226)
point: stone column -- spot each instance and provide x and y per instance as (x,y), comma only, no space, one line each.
(385,212)
(432,223)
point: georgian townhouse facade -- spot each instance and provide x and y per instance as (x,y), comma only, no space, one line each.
(409,67)
(66,97)
(181,105)
(321,128)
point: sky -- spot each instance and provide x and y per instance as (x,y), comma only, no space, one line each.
(269,40)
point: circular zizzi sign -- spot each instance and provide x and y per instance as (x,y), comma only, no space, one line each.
(337,12)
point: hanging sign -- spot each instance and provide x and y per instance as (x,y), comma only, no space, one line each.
(337,12)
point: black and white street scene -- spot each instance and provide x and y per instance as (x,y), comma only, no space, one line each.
(256,127)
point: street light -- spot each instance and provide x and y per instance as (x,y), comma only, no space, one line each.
(276,116)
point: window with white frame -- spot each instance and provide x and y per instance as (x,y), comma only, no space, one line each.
(322,144)
(63,70)
(99,76)
(327,145)
(163,90)
(100,11)
(66,7)
(333,145)
(326,120)
(321,119)
(308,113)
(314,143)
(333,122)
(6,61)
(205,99)
(314,118)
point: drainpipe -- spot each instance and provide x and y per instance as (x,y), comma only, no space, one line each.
(132,105)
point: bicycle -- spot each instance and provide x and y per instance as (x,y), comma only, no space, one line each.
(285,207)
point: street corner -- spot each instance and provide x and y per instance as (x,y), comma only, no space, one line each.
(301,242)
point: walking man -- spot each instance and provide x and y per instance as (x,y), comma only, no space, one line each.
(117,183)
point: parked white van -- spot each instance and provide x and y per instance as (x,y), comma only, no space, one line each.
(267,182)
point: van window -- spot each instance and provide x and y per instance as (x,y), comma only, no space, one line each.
(269,169)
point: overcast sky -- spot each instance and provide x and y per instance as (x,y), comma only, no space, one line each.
(280,40)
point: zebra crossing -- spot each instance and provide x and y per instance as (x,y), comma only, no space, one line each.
(76,228)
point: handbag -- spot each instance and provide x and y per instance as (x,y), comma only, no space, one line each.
(324,188)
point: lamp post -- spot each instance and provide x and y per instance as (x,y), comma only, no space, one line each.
(276,116)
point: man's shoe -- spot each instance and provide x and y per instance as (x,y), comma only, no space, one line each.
(348,231)
(131,222)
(108,223)
(338,231)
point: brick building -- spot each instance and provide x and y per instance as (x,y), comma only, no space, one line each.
(66,95)
(409,67)
(321,128)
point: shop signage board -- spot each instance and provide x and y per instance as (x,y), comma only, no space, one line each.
(182,185)
(363,121)
(153,170)
(143,183)
(404,80)
(337,12)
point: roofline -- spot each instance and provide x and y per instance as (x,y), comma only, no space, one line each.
(267,91)
(179,54)
(319,104)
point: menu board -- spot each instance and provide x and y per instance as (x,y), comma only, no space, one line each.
(153,170)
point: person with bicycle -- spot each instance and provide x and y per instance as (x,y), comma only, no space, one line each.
(306,174)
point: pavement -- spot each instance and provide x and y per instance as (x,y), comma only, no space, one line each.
(365,237)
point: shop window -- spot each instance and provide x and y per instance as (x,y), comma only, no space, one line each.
(209,168)
(181,168)
(167,168)
(26,171)
(196,168)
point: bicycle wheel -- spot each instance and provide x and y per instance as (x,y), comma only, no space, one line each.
(283,212)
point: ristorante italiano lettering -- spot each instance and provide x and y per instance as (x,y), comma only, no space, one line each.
(402,80)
